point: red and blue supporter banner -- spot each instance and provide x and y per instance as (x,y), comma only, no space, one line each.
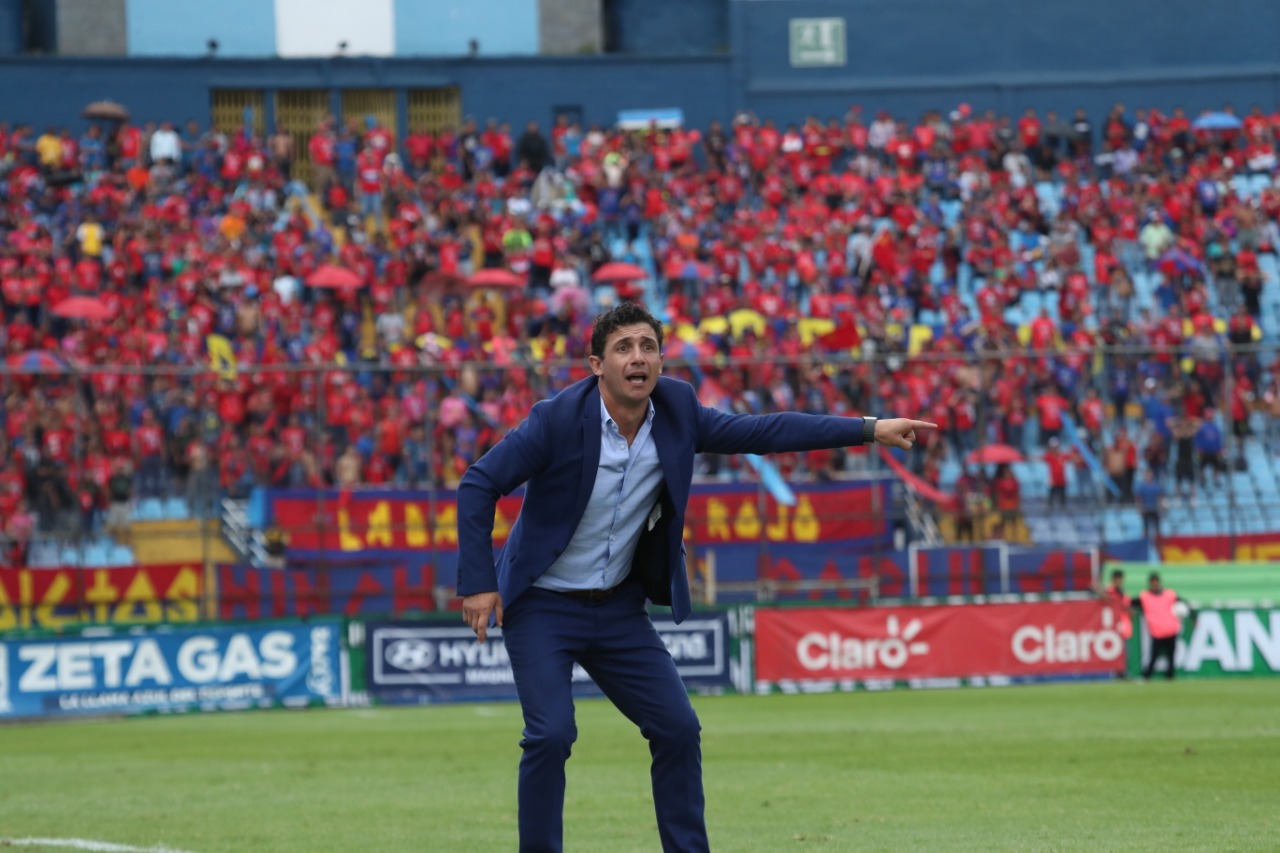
(1242,548)
(63,598)
(938,572)
(422,663)
(387,585)
(358,521)
(172,670)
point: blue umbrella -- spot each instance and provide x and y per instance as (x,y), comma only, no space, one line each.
(1217,121)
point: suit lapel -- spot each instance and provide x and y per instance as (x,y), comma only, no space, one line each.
(590,450)
(668,450)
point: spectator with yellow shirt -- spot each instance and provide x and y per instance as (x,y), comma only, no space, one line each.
(49,151)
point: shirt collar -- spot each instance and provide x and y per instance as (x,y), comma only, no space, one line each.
(607,419)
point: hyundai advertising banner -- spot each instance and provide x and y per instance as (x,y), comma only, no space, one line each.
(425,663)
(179,670)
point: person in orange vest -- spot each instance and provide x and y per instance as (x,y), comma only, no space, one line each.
(1160,608)
(1119,603)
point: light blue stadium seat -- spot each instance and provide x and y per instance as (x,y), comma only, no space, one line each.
(175,509)
(119,555)
(149,509)
(96,553)
(42,554)
(69,556)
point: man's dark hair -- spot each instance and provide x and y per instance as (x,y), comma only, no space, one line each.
(1117,575)
(626,314)
(1154,576)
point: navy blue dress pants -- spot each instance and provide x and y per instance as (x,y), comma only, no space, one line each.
(546,633)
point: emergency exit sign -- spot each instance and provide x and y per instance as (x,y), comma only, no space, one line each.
(817,42)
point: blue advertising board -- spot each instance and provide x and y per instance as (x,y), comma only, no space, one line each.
(422,663)
(198,668)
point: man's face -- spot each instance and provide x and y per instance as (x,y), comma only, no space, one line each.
(629,368)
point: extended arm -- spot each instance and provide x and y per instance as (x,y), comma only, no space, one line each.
(785,432)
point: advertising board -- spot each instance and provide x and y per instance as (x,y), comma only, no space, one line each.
(180,670)
(1221,642)
(816,649)
(426,663)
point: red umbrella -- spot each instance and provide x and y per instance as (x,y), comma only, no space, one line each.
(440,284)
(83,308)
(619,271)
(330,276)
(496,278)
(995,454)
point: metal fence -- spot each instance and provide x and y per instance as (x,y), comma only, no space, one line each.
(104,464)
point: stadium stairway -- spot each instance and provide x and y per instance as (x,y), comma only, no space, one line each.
(179,541)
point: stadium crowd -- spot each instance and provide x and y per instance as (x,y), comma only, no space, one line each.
(340,342)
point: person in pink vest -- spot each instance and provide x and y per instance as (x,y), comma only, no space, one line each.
(1164,622)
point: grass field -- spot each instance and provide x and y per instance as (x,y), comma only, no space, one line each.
(1106,766)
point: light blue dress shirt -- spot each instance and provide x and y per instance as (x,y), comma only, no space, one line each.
(627,485)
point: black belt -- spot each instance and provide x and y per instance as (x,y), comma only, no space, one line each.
(595,596)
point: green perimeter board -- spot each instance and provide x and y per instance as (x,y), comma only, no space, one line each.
(1203,584)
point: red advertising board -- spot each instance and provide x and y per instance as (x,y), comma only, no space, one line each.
(124,595)
(960,641)
(1243,547)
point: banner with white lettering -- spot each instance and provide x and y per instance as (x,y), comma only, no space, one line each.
(1220,642)
(205,669)
(425,662)
(817,649)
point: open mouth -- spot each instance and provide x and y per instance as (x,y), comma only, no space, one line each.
(638,378)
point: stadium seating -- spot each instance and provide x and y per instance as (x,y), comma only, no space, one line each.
(754,240)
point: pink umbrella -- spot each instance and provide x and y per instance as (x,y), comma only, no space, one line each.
(619,271)
(995,454)
(496,278)
(83,308)
(575,297)
(333,277)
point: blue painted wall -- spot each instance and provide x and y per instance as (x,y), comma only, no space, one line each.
(667,27)
(445,27)
(184,27)
(906,56)
(54,91)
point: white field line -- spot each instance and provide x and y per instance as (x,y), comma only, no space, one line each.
(85,844)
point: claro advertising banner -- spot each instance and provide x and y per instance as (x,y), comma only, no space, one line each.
(425,663)
(171,671)
(831,648)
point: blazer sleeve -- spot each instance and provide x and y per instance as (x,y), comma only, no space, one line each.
(785,432)
(515,459)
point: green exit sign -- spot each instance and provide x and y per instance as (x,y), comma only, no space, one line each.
(817,42)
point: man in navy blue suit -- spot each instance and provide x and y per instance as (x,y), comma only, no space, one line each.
(608,464)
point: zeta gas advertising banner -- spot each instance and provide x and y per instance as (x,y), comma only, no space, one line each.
(425,663)
(832,648)
(171,671)
(1220,642)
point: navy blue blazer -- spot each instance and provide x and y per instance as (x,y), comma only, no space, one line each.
(556,451)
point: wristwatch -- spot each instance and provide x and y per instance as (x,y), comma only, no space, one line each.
(868,430)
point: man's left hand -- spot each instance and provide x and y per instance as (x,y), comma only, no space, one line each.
(900,432)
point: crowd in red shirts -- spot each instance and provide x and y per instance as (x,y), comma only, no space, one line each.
(838,237)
